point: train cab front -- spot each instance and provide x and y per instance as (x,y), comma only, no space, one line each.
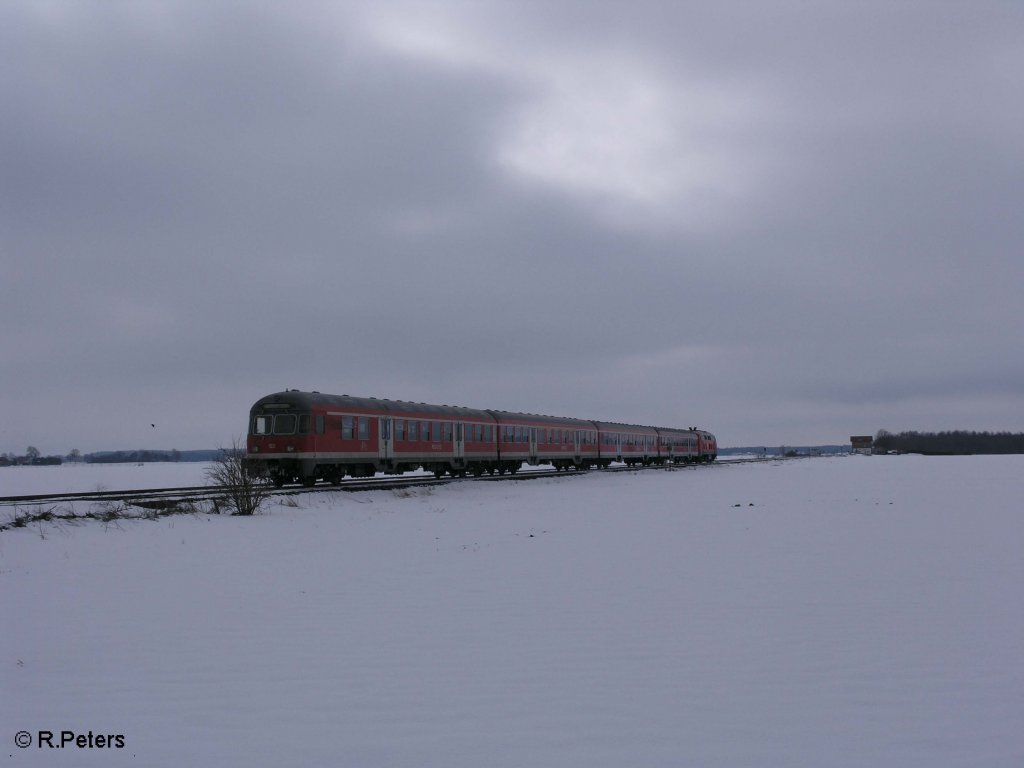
(278,446)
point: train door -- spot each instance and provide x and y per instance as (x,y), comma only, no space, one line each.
(533,445)
(577,453)
(460,441)
(385,444)
(318,431)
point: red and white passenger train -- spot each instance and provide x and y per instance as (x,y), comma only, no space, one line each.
(307,436)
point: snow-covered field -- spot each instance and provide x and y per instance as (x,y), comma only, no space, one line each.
(857,611)
(68,478)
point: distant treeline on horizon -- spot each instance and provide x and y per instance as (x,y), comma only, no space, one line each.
(32,458)
(146,457)
(959,442)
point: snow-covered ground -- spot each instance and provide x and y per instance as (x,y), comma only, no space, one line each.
(67,478)
(856,611)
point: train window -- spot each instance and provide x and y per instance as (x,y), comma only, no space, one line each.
(284,424)
(447,431)
(412,430)
(399,429)
(304,424)
(320,424)
(261,425)
(346,428)
(435,433)
(364,428)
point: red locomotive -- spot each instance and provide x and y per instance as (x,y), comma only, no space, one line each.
(307,436)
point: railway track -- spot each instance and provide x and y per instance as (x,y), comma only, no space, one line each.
(170,498)
(159,497)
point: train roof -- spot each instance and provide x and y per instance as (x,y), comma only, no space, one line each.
(298,399)
(537,418)
(614,426)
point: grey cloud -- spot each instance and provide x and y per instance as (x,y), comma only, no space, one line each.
(215,202)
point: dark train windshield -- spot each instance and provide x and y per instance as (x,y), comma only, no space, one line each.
(279,424)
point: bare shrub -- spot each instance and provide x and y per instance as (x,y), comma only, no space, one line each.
(244,492)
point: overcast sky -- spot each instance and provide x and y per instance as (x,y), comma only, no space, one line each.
(786,222)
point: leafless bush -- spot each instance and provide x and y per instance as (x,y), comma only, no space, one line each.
(243,492)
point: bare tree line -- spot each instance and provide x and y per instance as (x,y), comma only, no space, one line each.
(958,442)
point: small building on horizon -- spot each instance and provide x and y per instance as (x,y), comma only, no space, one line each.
(862,444)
